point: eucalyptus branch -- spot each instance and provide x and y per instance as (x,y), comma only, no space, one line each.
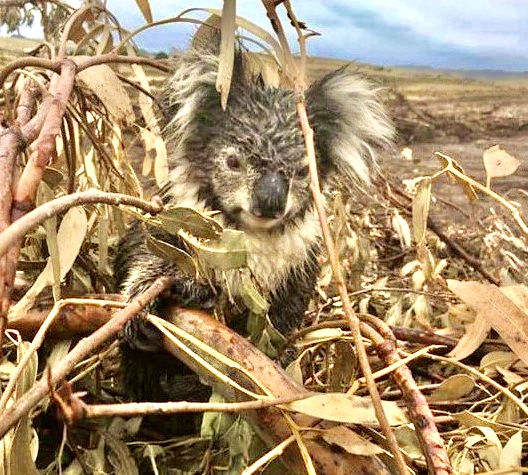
(340,283)
(165,21)
(25,62)
(299,84)
(19,228)
(116,58)
(91,411)
(69,24)
(85,347)
(479,186)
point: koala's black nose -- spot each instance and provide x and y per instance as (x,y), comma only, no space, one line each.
(270,195)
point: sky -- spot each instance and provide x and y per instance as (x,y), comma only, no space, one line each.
(447,34)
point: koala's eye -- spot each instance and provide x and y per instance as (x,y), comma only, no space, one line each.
(233,162)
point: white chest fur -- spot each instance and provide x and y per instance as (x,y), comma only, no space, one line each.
(272,255)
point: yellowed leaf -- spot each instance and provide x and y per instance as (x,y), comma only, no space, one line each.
(453,388)
(474,335)
(105,84)
(227,50)
(350,441)
(498,162)
(144,6)
(340,407)
(499,311)
(511,455)
(420,209)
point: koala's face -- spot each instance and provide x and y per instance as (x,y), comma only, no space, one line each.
(260,178)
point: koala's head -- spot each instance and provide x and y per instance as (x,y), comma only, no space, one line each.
(259,174)
(249,161)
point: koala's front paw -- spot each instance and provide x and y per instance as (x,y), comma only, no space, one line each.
(140,335)
(189,293)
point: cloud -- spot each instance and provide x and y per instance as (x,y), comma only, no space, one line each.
(444,34)
(477,34)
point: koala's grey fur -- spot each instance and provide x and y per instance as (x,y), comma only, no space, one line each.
(248,162)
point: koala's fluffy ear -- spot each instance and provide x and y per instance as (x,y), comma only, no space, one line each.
(348,120)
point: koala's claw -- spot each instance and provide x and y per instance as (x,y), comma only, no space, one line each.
(192,294)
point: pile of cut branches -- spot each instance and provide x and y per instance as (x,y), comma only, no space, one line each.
(414,355)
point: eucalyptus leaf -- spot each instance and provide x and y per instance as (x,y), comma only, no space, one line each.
(172,254)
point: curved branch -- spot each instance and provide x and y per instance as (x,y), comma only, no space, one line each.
(24,63)
(19,228)
(116,58)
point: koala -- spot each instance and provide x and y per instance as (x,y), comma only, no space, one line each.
(248,163)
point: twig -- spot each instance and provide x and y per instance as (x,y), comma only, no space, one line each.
(432,444)
(269,456)
(450,168)
(85,347)
(90,411)
(341,287)
(461,252)
(116,58)
(24,63)
(19,228)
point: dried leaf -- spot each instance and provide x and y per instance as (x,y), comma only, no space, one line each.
(469,420)
(420,209)
(105,42)
(453,388)
(340,407)
(77,31)
(70,237)
(511,455)
(172,254)
(475,334)
(105,84)
(227,50)
(407,154)
(494,359)
(498,310)
(492,446)
(144,6)
(350,441)
(22,452)
(401,227)
(498,162)
(518,294)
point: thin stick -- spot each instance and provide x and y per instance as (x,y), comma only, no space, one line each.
(19,228)
(343,293)
(90,411)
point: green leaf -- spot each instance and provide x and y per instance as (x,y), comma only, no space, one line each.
(174,220)
(172,254)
